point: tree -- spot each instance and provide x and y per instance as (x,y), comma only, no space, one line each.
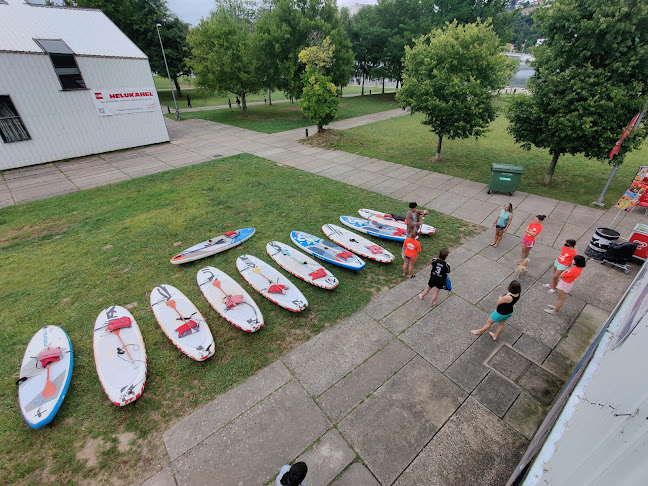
(449,77)
(368,41)
(319,101)
(224,52)
(591,77)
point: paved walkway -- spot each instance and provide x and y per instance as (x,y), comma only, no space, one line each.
(398,393)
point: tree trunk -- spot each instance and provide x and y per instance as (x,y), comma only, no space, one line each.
(362,92)
(383,91)
(550,170)
(320,128)
(270,96)
(244,104)
(177,85)
(438,152)
(340,91)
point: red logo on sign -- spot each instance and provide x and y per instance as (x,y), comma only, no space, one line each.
(98,96)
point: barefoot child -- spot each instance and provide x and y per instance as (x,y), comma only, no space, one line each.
(440,270)
(533,230)
(502,224)
(411,249)
(562,263)
(503,311)
(566,283)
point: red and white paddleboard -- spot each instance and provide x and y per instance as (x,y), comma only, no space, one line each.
(214,245)
(357,244)
(389,220)
(301,266)
(270,283)
(229,299)
(182,322)
(120,356)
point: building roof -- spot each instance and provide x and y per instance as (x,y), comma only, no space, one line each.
(86,31)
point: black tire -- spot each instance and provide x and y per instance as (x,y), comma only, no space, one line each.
(489,191)
(510,193)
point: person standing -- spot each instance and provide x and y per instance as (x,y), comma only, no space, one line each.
(292,475)
(528,241)
(414,218)
(238,102)
(562,263)
(438,277)
(503,311)
(188,101)
(566,283)
(229,102)
(502,224)
(411,249)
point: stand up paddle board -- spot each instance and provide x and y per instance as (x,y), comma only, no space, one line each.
(389,220)
(120,356)
(374,229)
(229,299)
(213,245)
(182,322)
(45,376)
(357,244)
(327,251)
(301,266)
(270,283)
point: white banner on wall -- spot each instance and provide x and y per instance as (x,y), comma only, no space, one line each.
(124,102)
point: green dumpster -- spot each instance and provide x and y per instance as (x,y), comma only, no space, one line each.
(504,178)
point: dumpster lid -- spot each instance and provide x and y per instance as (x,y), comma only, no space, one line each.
(516,169)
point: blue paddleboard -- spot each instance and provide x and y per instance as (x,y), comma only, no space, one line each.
(374,229)
(327,251)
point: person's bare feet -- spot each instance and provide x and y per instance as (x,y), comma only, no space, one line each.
(493,335)
(421,296)
(477,332)
(432,304)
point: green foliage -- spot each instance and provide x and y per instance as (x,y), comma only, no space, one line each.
(319,101)
(524,33)
(449,76)
(224,48)
(591,78)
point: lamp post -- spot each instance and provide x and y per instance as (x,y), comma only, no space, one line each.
(157,27)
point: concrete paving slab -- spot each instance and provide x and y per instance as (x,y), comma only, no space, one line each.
(584,216)
(338,400)
(481,241)
(360,177)
(582,332)
(525,415)
(422,195)
(409,313)
(328,457)
(391,427)
(559,365)
(43,192)
(205,421)
(474,447)
(343,175)
(509,363)
(434,179)
(469,369)
(551,230)
(379,165)
(459,256)
(562,211)
(531,348)
(496,393)
(507,244)
(590,288)
(541,260)
(537,204)
(163,478)
(447,202)
(389,186)
(540,383)
(405,191)
(322,361)
(570,231)
(474,211)
(444,334)
(387,302)
(226,454)
(489,302)
(405,171)
(468,188)
(477,277)
(373,182)
(483,195)
(501,199)
(357,475)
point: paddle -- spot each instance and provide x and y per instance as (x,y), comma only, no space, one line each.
(116,333)
(50,388)
(274,287)
(172,303)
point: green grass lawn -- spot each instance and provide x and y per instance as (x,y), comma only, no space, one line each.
(286,116)
(406,141)
(66,258)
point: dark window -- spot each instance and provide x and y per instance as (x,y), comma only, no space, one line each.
(65,65)
(12,129)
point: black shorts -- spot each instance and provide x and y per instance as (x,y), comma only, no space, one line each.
(436,282)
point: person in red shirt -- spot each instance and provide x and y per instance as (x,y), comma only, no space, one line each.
(533,230)
(566,283)
(411,249)
(562,263)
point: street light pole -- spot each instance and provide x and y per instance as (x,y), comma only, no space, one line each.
(157,27)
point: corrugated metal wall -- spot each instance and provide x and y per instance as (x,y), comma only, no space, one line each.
(65,124)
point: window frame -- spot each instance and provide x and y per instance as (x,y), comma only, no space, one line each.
(72,55)
(17,116)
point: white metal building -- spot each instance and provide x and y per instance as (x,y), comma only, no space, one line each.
(71,84)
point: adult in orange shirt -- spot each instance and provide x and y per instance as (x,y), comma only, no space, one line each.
(562,263)
(566,283)
(533,230)
(411,249)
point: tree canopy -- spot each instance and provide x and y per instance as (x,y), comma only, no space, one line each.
(318,101)
(449,77)
(591,78)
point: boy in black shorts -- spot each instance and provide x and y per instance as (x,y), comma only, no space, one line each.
(440,270)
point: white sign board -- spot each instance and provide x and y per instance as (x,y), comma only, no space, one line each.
(124,102)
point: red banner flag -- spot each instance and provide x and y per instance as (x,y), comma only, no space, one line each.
(626,132)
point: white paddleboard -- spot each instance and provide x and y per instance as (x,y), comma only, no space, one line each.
(45,375)
(374,229)
(214,245)
(301,266)
(327,251)
(229,299)
(270,283)
(182,322)
(357,244)
(120,356)
(388,219)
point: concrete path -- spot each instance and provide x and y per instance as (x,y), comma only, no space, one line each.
(398,393)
